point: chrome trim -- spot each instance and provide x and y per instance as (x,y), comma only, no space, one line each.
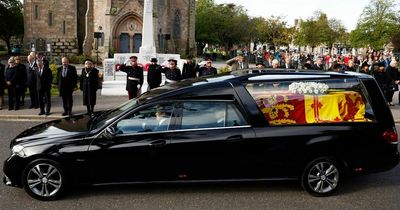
(185,130)
(199,181)
(7,181)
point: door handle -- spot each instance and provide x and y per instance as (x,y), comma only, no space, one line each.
(235,138)
(158,143)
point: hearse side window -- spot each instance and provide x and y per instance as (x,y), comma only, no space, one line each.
(312,101)
(151,119)
(210,114)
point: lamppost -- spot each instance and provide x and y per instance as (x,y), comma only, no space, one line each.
(97,36)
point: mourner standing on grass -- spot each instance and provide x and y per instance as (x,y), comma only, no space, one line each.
(134,76)
(44,79)
(89,83)
(66,80)
(154,74)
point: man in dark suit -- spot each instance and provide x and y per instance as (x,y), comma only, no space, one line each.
(154,74)
(31,82)
(2,84)
(134,76)
(21,80)
(189,68)
(238,63)
(66,80)
(44,79)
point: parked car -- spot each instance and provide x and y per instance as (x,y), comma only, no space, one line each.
(16,50)
(315,127)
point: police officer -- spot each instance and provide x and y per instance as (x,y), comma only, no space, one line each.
(172,74)
(134,76)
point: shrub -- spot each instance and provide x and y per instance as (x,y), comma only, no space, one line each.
(224,69)
(53,68)
(2,48)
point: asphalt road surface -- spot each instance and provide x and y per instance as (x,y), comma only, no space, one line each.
(376,191)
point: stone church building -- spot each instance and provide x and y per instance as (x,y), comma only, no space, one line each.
(107,26)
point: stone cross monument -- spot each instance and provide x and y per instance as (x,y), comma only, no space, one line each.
(148,49)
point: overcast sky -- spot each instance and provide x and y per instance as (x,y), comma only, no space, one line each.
(348,11)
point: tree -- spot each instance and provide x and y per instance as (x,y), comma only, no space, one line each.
(396,41)
(11,21)
(308,34)
(376,26)
(276,31)
(205,24)
(223,24)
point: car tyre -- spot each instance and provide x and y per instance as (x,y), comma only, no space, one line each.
(321,177)
(44,179)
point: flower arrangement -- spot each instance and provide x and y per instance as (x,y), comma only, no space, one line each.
(314,88)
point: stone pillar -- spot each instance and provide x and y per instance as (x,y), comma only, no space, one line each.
(89,38)
(148,49)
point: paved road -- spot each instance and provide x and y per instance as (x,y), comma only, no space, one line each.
(376,191)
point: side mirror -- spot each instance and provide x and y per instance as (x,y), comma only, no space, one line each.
(109,132)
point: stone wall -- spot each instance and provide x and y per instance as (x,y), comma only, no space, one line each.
(50,21)
(84,17)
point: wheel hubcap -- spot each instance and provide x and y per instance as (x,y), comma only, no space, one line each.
(323,177)
(44,179)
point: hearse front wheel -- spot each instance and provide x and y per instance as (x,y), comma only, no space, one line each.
(44,179)
(321,176)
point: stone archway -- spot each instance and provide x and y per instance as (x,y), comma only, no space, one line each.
(127,33)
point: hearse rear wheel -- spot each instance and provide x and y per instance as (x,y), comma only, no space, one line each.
(321,177)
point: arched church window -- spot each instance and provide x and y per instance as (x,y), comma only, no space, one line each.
(177,24)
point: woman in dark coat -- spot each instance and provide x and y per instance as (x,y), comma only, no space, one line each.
(2,85)
(89,85)
(11,82)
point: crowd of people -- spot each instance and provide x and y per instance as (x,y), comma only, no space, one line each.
(135,79)
(36,78)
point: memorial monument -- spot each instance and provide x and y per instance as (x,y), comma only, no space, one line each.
(114,81)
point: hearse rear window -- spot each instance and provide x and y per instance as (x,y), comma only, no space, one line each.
(312,101)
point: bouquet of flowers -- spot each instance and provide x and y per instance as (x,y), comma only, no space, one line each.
(313,88)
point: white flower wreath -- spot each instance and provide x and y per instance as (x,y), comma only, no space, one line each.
(313,88)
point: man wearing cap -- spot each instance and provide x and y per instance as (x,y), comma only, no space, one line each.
(154,74)
(172,74)
(189,68)
(207,69)
(134,76)
(364,68)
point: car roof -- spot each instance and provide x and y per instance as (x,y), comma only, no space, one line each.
(241,76)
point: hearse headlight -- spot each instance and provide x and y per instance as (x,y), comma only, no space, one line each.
(18,150)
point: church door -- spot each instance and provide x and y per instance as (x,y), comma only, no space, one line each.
(124,40)
(137,42)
